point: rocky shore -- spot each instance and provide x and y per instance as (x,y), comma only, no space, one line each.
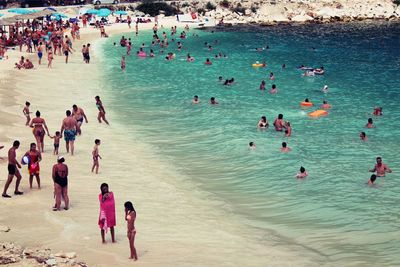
(15,255)
(292,11)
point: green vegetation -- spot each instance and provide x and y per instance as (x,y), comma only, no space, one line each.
(153,8)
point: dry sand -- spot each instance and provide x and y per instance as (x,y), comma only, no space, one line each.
(177,224)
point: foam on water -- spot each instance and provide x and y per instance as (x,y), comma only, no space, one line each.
(332,211)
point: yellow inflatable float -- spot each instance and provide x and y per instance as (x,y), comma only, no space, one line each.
(318,113)
(258,65)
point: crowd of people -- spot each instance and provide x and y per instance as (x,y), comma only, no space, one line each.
(50,38)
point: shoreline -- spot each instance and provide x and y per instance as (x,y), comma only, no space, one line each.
(175,224)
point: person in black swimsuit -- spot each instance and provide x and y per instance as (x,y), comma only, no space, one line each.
(60,178)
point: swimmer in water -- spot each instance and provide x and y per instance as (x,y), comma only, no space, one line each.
(252,146)
(271,76)
(263,123)
(196,100)
(278,123)
(208,62)
(363,136)
(288,131)
(283,66)
(123,63)
(285,148)
(302,174)
(189,58)
(370,123)
(377,111)
(273,89)
(220,79)
(262,85)
(371,180)
(380,168)
(325,89)
(213,101)
(325,105)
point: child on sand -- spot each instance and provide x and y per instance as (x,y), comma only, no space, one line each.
(27,112)
(130,217)
(96,156)
(56,138)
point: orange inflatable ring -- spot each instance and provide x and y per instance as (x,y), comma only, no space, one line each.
(306,104)
(318,113)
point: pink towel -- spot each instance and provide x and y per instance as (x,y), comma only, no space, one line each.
(107,211)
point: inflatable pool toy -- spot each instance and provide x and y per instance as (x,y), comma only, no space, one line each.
(318,113)
(258,65)
(25,160)
(306,104)
(142,54)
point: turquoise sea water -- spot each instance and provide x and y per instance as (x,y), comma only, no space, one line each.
(332,211)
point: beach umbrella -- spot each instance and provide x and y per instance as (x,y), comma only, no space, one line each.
(73,20)
(50,8)
(104,12)
(21,11)
(120,12)
(58,16)
(92,11)
(1,15)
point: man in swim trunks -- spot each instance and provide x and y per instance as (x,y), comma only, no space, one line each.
(40,52)
(278,123)
(79,115)
(69,128)
(13,170)
(380,168)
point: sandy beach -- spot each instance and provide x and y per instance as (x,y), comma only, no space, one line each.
(177,224)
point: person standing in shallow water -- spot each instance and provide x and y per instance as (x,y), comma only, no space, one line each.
(130,217)
(107,212)
(102,112)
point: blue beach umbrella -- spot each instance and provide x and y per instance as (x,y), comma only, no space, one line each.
(58,16)
(21,11)
(50,8)
(120,12)
(104,12)
(92,11)
(1,15)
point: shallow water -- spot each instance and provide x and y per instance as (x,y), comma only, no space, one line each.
(332,211)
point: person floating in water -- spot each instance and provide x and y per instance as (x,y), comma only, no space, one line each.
(380,168)
(273,89)
(371,181)
(252,146)
(377,111)
(213,101)
(370,123)
(302,174)
(263,123)
(325,105)
(285,148)
(325,89)
(262,85)
(196,100)
(363,136)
